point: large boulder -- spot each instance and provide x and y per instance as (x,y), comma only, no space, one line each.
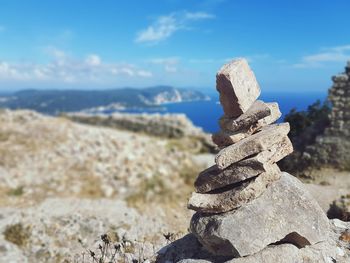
(334,249)
(285,212)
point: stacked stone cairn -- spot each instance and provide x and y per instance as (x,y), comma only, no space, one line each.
(332,148)
(244,203)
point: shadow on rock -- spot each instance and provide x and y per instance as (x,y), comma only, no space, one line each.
(186,248)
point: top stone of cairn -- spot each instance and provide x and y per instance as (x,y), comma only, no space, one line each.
(237,86)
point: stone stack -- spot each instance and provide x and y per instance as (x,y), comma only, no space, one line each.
(244,203)
(333,147)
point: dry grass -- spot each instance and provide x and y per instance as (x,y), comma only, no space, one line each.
(187,144)
(164,191)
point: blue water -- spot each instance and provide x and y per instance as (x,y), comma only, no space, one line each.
(205,114)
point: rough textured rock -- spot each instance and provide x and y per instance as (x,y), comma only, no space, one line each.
(162,125)
(237,86)
(259,110)
(213,177)
(256,143)
(334,249)
(225,138)
(284,212)
(233,196)
(274,154)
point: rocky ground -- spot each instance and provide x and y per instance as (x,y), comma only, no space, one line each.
(64,184)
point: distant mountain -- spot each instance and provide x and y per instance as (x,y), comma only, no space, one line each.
(56,101)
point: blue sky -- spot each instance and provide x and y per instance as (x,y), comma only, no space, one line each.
(291,45)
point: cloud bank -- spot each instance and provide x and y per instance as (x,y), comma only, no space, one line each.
(64,69)
(326,55)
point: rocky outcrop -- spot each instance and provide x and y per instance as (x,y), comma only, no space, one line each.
(336,139)
(244,204)
(173,126)
(162,125)
(285,212)
(333,249)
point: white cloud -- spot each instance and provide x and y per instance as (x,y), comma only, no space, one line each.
(169,64)
(65,69)
(165,26)
(144,73)
(326,55)
(198,15)
(93,60)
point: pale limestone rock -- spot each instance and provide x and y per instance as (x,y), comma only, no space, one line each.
(254,144)
(284,212)
(273,154)
(274,116)
(226,137)
(189,250)
(237,86)
(213,177)
(257,111)
(233,196)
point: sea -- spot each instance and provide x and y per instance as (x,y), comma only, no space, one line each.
(205,114)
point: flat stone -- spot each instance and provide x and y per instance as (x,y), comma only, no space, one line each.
(214,178)
(273,154)
(254,144)
(285,212)
(233,196)
(257,111)
(237,86)
(243,129)
(224,138)
(274,116)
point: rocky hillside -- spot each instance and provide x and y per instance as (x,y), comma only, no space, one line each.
(64,184)
(171,126)
(56,101)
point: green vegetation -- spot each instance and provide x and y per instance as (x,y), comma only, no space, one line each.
(305,127)
(18,191)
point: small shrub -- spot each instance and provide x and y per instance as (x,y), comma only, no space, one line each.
(110,252)
(17,234)
(16,191)
(305,126)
